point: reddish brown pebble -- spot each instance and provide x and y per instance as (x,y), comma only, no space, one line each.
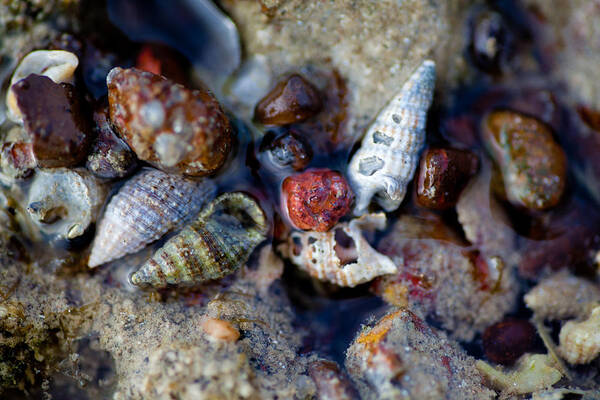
(173,128)
(162,60)
(218,329)
(504,342)
(53,118)
(331,382)
(19,158)
(316,199)
(289,149)
(443,174)
(292,100)
(110,156)
(533,165)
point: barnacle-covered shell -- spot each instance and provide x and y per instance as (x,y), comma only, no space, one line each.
(389,153)
(562,296)
(324,255)
(58,65)
(217,243)
(65,201)
(171,127)
(149,205)
(580,341)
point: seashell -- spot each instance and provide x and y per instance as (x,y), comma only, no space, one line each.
(389,153)
(174,128)
(149,205)
(580,341)
(217,243)
(324,256)
(58,65)
(64,201)
(562,296)
(220,330)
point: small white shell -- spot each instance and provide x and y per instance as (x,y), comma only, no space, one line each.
(149,205)
(320,253)
(562,296)
(389,153)
(58,65)
(65,201)
(580,341)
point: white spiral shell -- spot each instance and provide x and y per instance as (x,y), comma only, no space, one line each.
(149,205)
(388,156)
(320,253)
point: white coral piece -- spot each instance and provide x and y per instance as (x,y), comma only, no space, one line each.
(386,161)
(320,253)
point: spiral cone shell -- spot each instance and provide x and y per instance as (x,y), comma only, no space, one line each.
(149,205)
(388,156)
(216,244)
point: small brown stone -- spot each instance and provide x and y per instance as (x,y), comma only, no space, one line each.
(289,149)
(17,159)
(110,156)
(443,174)
(291,100)
(506,341)
(331,382)
(173,128)
(53,118)
(533,165)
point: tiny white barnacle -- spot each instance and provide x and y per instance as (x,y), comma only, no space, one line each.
(580,341)
(342,255)
(388,156)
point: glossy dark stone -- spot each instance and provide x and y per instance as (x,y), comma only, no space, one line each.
(506,341)
(443,174)
(291,100)
(288,149)
(54,119)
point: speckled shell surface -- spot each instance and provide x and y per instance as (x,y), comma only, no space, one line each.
(580,341)
(216,244)
(318,255)
(388,156)
(149,205)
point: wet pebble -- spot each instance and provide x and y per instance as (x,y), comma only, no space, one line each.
(17,159)
(331,382)
(532,164)
(110,156)
(490,41)
(171,127)
(53,117)
(289,149)
(316,199)
(443,174)
(162,60)
(504,342)
(293,99)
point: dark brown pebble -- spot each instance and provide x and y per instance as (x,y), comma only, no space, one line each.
(506,341)
(443,174)
(331,382)
(292,100)
(53,118)
(110,156)
(288,149)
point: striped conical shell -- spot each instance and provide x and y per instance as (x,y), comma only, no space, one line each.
(216,244)
(388,156)
(149,205)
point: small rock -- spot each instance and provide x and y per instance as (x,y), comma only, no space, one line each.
(331,382)
(17,159)
(220,330)
(533,165)
(53,118)
(316,199)
(490,41)
(506,341)
(173,128)
(288,149)
(110,156)
(291,100)
(162,60)
(443,174)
